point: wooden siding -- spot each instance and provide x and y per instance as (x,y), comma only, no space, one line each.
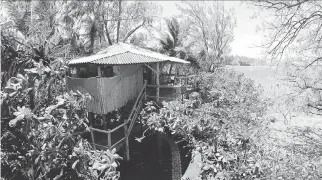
(110,93)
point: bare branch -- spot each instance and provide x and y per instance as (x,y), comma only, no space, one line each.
(133,30)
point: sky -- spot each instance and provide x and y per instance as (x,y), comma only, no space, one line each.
(246,37)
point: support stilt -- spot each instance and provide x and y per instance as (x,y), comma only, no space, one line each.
(109,140)
(127,145)
(105,122)
(91,119)
(158,81)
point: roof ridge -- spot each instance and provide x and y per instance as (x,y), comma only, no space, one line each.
(111,56)
(108,55)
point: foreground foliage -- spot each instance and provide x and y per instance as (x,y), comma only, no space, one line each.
(41,126)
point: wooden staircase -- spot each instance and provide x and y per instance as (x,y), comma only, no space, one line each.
(129,120)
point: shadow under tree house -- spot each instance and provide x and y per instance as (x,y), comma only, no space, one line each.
(116,76)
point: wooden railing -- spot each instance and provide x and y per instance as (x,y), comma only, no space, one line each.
(177,79)
(127,125)
(180,86)
(177,94)
(137,107)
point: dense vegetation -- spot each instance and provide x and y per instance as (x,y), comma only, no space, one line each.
(41,124)
(223,119)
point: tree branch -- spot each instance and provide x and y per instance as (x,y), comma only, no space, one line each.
(133,30)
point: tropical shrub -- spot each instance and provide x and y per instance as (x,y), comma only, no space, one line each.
(41,125)
(223,120)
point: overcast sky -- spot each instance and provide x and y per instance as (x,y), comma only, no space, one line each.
(245,33)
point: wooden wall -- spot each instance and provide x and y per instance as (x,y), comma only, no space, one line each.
(110,93)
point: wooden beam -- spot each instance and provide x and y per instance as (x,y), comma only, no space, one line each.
(118,144)
(101,146)
(158,81)
(99,72)
(127,144)
(99,130)
(178,91)
(154,97)
(163,86)
(109,140)
(91,119)
(105,122)
(108,131)
(145,95)
(77,71)
(151,68)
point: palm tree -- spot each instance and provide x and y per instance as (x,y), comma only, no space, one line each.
(32,33)
(172,44)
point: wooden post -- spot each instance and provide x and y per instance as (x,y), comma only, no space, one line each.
(105,122)
(178,92)
(127,145)
(158,81)
(145,95)
(77,71)
(99,72)
(109,140)
(91,119)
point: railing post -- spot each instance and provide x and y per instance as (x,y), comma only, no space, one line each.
(158,82)
(105,122)
(109,140)
(145,95)
(91,119)
(178,92)
(127,146)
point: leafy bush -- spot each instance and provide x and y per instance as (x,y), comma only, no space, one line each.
(41,125)
(223,121)
(295,156)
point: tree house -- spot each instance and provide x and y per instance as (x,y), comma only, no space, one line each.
(115,76)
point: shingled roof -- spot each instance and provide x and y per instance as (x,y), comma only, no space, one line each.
(122,53)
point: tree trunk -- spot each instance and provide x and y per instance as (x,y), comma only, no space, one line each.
(92,38)
(107,34)
(119,22)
